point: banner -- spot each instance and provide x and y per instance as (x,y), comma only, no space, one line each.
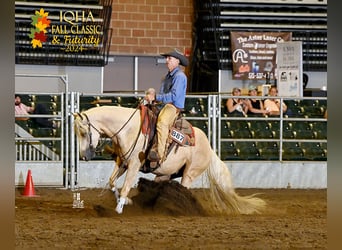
(254,54)
(290,69)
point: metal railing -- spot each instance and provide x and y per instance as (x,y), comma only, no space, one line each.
(203,111)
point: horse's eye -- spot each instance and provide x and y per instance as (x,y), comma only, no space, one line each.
(83,132)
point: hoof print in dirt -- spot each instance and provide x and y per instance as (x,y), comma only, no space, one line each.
(166,197)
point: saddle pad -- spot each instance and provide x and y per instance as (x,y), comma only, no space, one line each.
(183,133)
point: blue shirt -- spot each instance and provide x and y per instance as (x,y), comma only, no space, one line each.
(173,89)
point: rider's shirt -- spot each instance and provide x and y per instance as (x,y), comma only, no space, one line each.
(173,89)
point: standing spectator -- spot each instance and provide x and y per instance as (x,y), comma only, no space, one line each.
(273,104)
(236,106)
(21,109)
(255,106)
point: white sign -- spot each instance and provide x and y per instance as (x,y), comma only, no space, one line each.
(290,69)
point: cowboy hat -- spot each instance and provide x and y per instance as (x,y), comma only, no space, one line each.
(177,54)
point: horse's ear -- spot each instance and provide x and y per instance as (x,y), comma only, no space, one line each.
(77,115)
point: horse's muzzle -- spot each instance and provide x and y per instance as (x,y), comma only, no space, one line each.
(85,158)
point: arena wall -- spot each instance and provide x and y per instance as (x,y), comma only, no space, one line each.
(299,175)
(151,27)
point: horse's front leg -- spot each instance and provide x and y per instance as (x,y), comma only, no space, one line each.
(132,171)
(117,172)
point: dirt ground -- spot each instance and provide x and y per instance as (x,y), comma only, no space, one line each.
(168,218)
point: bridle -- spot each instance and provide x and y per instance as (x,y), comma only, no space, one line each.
(91,146)
(124,156)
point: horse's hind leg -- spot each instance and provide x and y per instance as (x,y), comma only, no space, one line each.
(193,171)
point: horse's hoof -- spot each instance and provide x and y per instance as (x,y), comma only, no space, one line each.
(121,202)
(119,209)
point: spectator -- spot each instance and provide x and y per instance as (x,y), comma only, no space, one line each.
(21,109)
(255,106)
(272,105)
(236,106)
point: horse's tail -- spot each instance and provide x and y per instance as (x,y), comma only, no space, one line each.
(224,199)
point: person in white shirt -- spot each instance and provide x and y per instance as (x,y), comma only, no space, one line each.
(21,109)
(272,105)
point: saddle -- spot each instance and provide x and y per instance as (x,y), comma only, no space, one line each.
(181,132)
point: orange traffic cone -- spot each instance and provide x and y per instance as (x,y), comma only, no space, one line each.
(29,187)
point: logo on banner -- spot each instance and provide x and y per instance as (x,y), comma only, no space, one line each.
(75,31)
(254,54)
(40,23)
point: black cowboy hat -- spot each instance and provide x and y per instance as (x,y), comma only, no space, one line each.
(177,54)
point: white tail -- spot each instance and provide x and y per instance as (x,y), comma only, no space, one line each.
(223,198)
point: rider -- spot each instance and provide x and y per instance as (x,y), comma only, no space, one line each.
(172,94)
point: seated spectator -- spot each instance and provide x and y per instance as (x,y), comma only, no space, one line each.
(272,105)
(236,106)
(255,106)
(21,109)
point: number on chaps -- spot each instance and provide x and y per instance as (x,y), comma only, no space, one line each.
(183,133)
(177,136)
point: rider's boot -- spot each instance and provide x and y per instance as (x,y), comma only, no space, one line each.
(153,157)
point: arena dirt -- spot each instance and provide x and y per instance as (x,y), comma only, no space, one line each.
(168,216)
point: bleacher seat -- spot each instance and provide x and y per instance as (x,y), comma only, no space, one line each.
(259,124)
(225,131)
(229,151)
(238,124)
(321,134)
(269,153)
(42,98)
(289,134)
(297,112)
(292,104)
(292,151)
(314,151)
(201,124)
(43,132)
(86,102)
(263,134)
(239,128)
(242,133)
(195,107)
(314,112)
(247,150)
(302,125)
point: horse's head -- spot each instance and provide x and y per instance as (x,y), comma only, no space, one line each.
(87,134)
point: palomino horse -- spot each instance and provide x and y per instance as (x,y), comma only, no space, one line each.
(123,126)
